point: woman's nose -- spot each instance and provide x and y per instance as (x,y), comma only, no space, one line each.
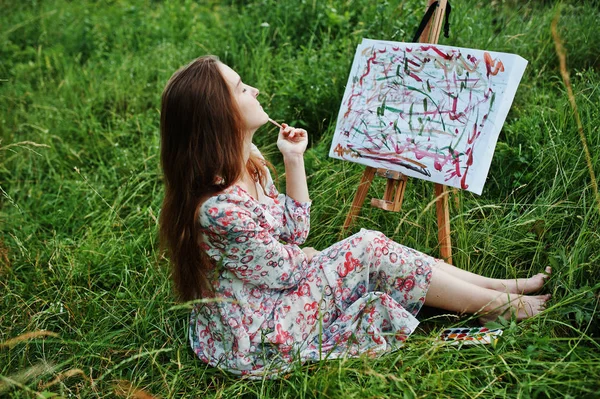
(253,90)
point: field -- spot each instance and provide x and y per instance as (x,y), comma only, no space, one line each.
(86,303)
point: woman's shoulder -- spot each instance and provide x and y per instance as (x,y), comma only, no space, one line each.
(232,194)
(231,197)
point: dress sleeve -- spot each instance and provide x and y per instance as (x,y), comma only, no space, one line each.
(295,220)
(234,236)
(295,215)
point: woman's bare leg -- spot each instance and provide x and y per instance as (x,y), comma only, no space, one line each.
(514,286)
(453,293)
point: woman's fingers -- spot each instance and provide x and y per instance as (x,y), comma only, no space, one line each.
(293,134)
(292,140)
(286,130)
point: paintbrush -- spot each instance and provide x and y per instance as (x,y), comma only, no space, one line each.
(275,123)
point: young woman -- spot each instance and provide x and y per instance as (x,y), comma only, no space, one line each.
(234,242)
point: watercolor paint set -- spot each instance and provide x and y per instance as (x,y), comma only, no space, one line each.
(469,336)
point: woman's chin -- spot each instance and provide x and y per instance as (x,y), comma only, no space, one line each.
(253,127)
(265,120)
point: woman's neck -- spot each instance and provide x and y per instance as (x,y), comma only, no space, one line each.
(248,146)
(247,181)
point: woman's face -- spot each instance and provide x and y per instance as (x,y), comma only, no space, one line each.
(251,111)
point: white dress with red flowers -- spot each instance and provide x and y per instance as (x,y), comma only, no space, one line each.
(273,308)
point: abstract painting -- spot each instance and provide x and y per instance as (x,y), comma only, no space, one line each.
(428,111)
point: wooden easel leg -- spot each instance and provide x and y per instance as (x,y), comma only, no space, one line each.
(443,219)
(359,198)
(399,196)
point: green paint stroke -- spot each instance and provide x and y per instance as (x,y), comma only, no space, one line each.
(432,100)
(381,109)
(397,110)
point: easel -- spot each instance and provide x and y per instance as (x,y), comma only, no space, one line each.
(396,181)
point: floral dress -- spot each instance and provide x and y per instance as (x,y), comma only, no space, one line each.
(272,307)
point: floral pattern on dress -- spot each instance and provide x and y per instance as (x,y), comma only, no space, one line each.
(272,307)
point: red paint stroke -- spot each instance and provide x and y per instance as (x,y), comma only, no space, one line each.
(469,154)
(452,114)
(415,77)
(369,61)
(455,170)
(436,163)
(350,104)
(483,120)
(492,66)
(438,51)
(472,135)
(456,163)
(463,182)
(410,61)
(419,68)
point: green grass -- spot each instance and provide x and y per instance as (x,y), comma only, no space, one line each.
(81,188)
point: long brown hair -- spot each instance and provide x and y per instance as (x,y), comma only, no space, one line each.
(202,153)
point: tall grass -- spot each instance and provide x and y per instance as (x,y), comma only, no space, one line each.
(86,305)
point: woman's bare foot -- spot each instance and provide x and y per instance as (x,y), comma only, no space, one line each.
(523,306)
(523,285)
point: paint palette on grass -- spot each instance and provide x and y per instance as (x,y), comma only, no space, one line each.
(469,336)
(428,111)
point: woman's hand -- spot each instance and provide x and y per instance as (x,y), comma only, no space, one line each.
(291,141)
(310,253)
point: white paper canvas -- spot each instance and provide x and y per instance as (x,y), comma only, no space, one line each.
(428,111)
